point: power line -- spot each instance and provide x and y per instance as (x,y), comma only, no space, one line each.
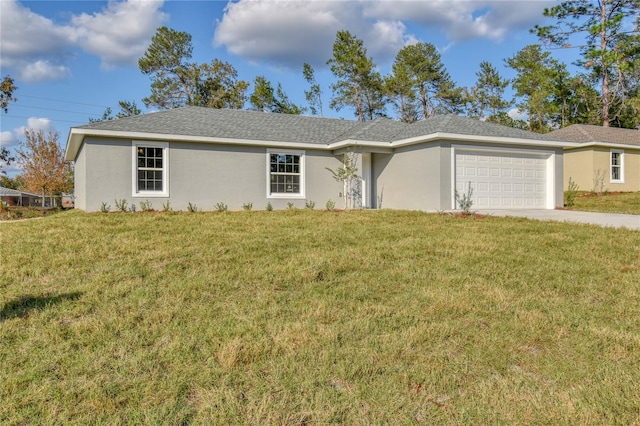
(52,119)
(60,100)
(54,109)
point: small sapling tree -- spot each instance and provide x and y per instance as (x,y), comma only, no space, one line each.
(347,174)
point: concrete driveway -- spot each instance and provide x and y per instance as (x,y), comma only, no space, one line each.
(614,220)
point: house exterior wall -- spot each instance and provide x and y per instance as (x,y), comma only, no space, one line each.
(205,174)
(632,170)
(578,166)
(583,164)
(410,178)
(80,179)
(107,175)
(558,175)
(200,174)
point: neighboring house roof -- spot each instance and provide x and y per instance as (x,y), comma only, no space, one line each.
(7,192)
(211,125)
(598,135)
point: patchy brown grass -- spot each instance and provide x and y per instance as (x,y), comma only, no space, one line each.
(305,317)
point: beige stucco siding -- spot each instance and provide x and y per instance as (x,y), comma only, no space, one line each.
(578,166)
(631,172)
(583,165)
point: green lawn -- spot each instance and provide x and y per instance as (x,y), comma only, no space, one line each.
(309,317)
(622,202)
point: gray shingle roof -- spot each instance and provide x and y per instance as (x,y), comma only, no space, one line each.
(455,124)
(585,133)
(233,124)
(261,126)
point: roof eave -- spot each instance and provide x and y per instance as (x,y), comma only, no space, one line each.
(603,145)
(501,140)
(77,136)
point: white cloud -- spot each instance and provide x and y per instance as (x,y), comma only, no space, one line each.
(516,114)
(284,32)
(36,123)
(8,139)
(43,70)
(466,19)
(33,45)
(119,34)
(291,32)
(37,49)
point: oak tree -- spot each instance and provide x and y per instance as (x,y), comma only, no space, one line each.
(44,170)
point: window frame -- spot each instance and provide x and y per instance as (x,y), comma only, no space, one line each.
(165,169)
(619,166)
(286,195)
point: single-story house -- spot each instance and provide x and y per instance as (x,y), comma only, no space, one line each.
(205,156)
(604,158)
(13,197)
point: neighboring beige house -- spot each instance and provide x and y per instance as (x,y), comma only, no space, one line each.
(606,159)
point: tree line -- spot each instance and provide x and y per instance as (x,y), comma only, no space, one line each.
(606,92)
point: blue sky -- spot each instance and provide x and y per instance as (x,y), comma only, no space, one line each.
(73,59)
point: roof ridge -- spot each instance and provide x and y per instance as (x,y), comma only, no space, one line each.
(581,129)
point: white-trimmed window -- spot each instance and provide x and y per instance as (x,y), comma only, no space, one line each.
(617,166)
(150,164)
(285,174)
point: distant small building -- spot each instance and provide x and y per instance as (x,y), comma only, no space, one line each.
(13,197)
(67,201)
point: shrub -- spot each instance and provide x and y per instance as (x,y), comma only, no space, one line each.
(146,206)
(464,201)
(104,208)
(571,194)
(309,204)
(247,206)
(269,206)
(290,206)
(598,182)
(121,205)
(166,206)
(331,205)
(221,207)
(192,208)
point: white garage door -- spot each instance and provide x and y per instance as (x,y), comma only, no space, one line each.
(502,180)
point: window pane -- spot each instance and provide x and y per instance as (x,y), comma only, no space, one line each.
(284,172)
(150,169)
(615,158)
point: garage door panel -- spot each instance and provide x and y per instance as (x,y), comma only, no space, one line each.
(502,180)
